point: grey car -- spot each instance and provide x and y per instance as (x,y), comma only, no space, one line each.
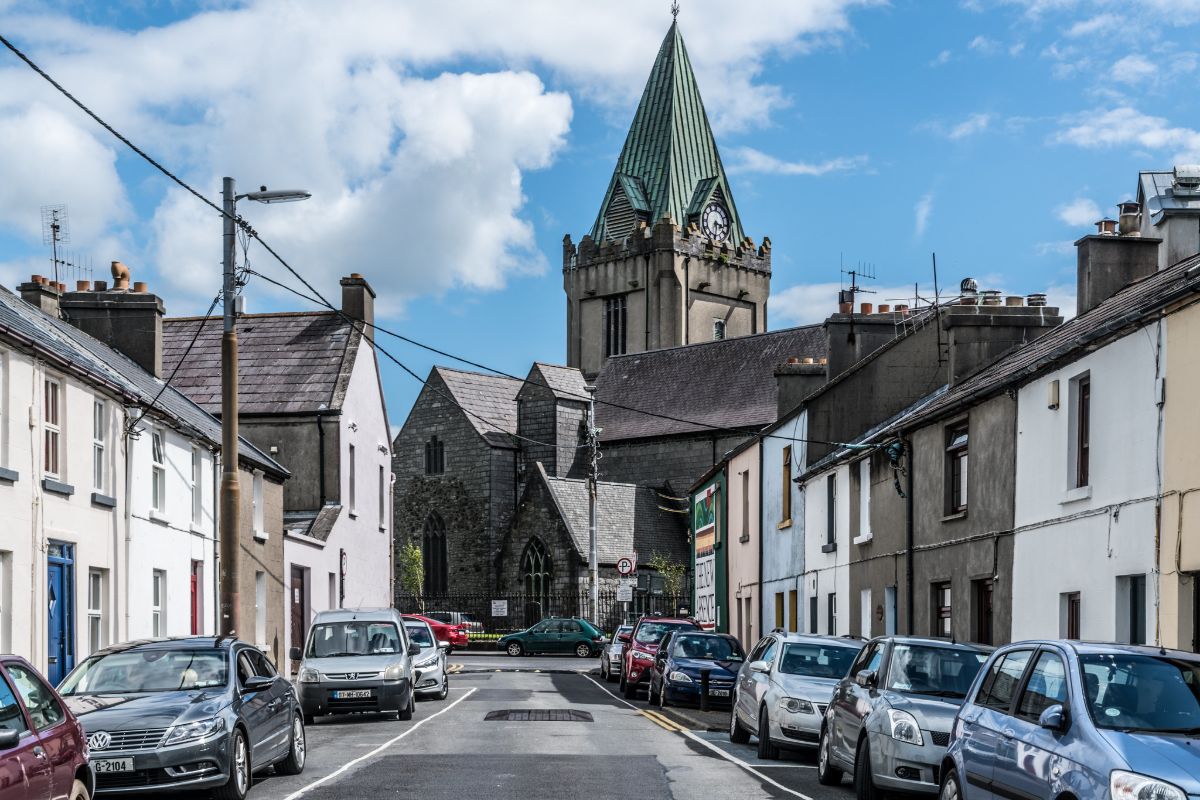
(610,655)
(181,714)
(889,721)
(430,663)
(783,689)
(1077,719)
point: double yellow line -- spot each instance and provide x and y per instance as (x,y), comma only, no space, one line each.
(662,721)
(453,668)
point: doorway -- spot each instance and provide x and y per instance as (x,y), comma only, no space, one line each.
(60,610)
(197,596)
(299,605)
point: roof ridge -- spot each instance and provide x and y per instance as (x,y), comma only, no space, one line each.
(478,374)
(717,342)
(258,315)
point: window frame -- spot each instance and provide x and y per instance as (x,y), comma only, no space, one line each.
(1081,431)
(258,523)
(351,480)
(1019,697)
(720,329)
(785,490)
(97,638)
(158,603)
(99,444)
(831,509)
(616,320)
(197,486)
(745,536)
(958,475)
(158,470)
(383,492)
(939,612)
(52,426)
(435,456)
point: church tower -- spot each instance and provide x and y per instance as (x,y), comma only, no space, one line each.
(667,261)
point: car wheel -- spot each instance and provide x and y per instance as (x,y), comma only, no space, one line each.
(583,650)
(79,791)
(737,734)
(864,781)
(239,769)
(663,702)
(604,669)
(406,713)
(766,748)
(629,689)
(514,649)
(445,686)
(294,763)
(309,720)
(654,696)
(950,789)
(827,773)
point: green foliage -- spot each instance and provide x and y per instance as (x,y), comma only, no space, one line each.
(411,567)
(674,574)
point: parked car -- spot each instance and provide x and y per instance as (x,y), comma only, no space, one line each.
(181,714)
(641,644)
(456,635)
(784,688)
(888,723)
(1056,719)
(357,660)
(610,655)
(457,618)
(35,721)
(431,661)
(675,674)
(555,635)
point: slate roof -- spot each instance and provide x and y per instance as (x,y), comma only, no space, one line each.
(567,383)
(726,384)
(313,524)
(1128,307)
(69,348)
(628,518)
(297,362)
(670,147)
(490,399)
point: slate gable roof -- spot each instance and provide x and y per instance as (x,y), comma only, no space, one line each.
(567,383)
(726,384)
(490,399)
(288,363)
(314,524)
(69,347)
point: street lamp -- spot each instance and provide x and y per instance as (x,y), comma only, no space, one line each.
(230,489)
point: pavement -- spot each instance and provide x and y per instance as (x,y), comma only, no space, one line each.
(570,734)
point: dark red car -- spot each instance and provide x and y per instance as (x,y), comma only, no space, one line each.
(642,644)
(43,750)
(456,635)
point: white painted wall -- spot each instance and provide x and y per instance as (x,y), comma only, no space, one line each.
(783,547)
(1072,540)
(827,573)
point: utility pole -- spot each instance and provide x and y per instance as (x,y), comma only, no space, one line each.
(230,489)
(593,434)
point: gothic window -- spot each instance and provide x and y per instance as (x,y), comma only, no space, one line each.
(614,326)
(435,456)
(433,553)
(537,573)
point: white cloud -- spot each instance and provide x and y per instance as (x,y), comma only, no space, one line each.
(1125,126)
(974,124)
(922,210)
(984,46)
(749,160)
(1080,211)
(941,58)
(1094,26)
(1133,69)
(1063,248)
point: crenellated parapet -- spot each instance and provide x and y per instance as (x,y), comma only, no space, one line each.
(667,235)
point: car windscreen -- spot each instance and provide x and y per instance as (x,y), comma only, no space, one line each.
(707,648)
(149,671)
(653,632)
(1142,692)
(816,660)
(932,670)
(420,634)
(353,638)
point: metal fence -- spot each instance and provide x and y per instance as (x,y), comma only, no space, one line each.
(505,613)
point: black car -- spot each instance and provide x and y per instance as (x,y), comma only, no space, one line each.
(676,674)
(183,714)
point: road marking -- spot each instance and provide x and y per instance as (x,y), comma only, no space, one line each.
(662,720)
(453,669)
(748,767)
(306,789)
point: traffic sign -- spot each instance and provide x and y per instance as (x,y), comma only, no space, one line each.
(626,565)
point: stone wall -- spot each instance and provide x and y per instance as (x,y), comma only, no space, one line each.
(651,462)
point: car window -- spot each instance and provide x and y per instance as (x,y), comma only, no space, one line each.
(1142,692)
(933,670)
(542,627)
(245,668)
(43,707)
(262,665)
(706,647)
(571,626)
(1002,680)
(11,718)
(419,633)
(653,632)
(868,658)
(152,670)
(768,655)
(353,638)
(1047,686)
(817,660)
(759,649)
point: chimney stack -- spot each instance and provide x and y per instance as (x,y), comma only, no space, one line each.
(42,293)
(795,381)
(358,302)
(1108,263)
(127,321)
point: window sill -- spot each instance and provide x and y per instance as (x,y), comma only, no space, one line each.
(1077,494)
(955,515)
(353,514)
(787,523)
(261,536)
(744,538)
(9,475)
(196,529)
(57,487)
(383,529)
(830,547)
(864,539)
(159,517)
(100,499)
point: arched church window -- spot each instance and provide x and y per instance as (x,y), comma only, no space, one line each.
(435,456)
(537,574)
(434,555)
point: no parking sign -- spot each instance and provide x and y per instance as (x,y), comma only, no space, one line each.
(626,565)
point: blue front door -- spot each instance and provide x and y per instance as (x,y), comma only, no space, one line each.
(60,617)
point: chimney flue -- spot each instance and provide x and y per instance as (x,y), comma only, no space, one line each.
(1036,300)
(83,286)
(1106,227)
(120,274)
(1014,300)
(867,308)
(140,287)
(1128,215)
(884,308)
(101,286)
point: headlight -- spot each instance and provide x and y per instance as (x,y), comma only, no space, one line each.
(679,677)
(638,655)
(428,661)
(309,675)
(394,673)
(193,730)
(1131,786)
(905,728)
(796,705)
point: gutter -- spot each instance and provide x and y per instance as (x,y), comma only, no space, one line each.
(128,512)
(909,540)
(216,538)
(762,602)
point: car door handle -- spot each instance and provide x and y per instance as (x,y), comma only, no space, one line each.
(39,752)
(1008,733)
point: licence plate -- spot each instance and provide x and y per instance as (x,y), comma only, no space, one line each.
(351,694)
(718,692)
(113,765)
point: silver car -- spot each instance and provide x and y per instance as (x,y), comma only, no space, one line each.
(610,655)
(784,687)
(434,681)
(889,722)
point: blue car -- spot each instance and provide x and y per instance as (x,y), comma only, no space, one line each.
(675,676)
(1071,719)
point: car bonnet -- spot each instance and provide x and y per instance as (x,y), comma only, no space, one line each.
(1172,758)
(932,713)
(114,712)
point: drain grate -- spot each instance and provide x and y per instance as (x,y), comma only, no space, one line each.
(538,715)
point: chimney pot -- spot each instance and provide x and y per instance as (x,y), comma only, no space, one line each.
(845,308)
(991,297)
(793,360)
(1014,300)
(83,286)
(884,308)
(120,274)
(867,308)
(1036,300)
(37,279)
(1106,227)
(809,360)
(1128,214)
(43,281)
(62,287)
(140,287)
(101,286)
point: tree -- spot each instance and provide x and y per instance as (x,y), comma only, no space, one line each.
(411,567)
(673,573)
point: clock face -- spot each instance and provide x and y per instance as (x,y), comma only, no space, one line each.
(715,222)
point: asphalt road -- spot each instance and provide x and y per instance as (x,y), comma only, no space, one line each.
(450,749)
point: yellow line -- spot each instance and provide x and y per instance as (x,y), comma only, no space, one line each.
(662,720)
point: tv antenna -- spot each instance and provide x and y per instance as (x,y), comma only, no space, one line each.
(56,230)
(862,270)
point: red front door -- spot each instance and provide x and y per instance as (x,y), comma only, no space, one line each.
(197,609)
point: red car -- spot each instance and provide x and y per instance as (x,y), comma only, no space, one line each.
(456,635)
(642,644)
(43,749)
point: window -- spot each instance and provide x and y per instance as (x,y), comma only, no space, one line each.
(1002,680)
(43,707)
(812,614)
(333,591)
(11,718)
(158,601)
(793,611)
(158,478)
(99,439)
(382,497)
(614,326)
(889,611)
(435,456)
(956,469)
(785,489)
(831,615)
(52,429)
(537,575)
(351,468)
(259,526)
(1131,609)
(434,555)
(95,611)
(780,621)
(197,486)
(863,471)
(831,511)
(1047,686)
(1069,607)
(868,658)
(942,617)
(718,330)
(864,613)
(6,601)
(1081,431)
(745,537)
(260,608)
(981,599)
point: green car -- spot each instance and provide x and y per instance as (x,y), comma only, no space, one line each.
(555,635)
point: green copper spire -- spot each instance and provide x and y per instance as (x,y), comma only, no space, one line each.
(669,164)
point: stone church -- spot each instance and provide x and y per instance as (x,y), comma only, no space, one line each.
(666,322)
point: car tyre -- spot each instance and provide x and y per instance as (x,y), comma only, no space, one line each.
(79,791)
(827,773)
(654,696)
(864,781)
(406,713)
(293,764)
(583,650)
(663,702)
(240,773)
(737,734)
(445,686)
(604,669)
(309,720)
(950,788)
(514,649)
(766,748)
(629,689)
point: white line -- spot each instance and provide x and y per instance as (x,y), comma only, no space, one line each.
(305,789)
(727,756)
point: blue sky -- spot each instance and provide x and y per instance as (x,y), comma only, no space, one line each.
(450,146)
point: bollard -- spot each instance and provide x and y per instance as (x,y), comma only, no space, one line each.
(704,673)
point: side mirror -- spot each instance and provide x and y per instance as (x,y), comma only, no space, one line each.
(760,666)
(443,644)
(414,649)
(1054,719)
(625,638)
(257,683)
(295,655)
(866,678)
(9,739)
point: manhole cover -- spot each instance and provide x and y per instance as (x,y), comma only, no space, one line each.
(538,715)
